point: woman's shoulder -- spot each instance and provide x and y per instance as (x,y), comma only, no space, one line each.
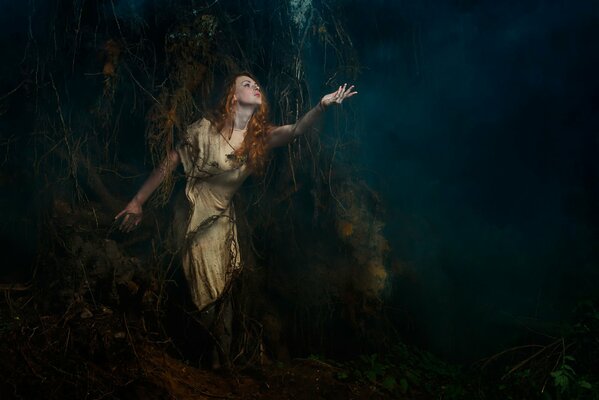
(201,124)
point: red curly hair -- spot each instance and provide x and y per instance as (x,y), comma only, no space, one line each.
(254,148)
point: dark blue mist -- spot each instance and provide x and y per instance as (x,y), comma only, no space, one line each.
(482,136)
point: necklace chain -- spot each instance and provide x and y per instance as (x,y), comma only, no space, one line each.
(232,156)
(227,140)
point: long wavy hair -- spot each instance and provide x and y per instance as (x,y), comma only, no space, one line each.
(253,149)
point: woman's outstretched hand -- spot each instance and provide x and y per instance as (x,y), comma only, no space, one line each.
(132,216)
(337,97)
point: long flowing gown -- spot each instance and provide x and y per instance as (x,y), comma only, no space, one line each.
(211,250)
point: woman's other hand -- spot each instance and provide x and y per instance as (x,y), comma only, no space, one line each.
(132,216)
(337,97)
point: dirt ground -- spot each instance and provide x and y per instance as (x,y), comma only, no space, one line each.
(156,375)
(99,355)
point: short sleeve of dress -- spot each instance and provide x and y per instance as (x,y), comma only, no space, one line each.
(191,149)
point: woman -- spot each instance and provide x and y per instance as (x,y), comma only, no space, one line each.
(217,155)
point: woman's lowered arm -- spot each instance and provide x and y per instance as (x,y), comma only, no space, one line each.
(133,211)
(282,135)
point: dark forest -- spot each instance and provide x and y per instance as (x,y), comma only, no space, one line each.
(436,236)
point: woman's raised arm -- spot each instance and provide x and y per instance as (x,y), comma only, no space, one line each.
(282,135)
(133,211)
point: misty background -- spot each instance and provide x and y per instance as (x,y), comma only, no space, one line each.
(477,123)
(480,130)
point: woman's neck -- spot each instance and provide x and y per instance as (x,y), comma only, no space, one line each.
(242,116)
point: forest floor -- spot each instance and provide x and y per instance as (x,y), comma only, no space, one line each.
(94,355)
(95,352)
(30,374)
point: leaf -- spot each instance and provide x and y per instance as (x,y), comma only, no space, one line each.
(371,375)
(378,369)
(560,380)
(389,383)
(585,385)
(403,386)
(568,369)
(342,375)
(413,377)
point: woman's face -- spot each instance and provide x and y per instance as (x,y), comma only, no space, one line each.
(247,91)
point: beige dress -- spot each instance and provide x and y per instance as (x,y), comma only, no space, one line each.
(211,251)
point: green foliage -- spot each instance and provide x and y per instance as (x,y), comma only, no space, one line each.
(405,370)
(570,385)
(564,376)
(563,369)
(342,375)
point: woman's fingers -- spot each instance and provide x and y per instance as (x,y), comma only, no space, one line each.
(123,226)
(130,221)
(344,92)
(127,224)
(348,92)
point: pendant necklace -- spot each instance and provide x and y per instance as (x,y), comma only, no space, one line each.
(232,156)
